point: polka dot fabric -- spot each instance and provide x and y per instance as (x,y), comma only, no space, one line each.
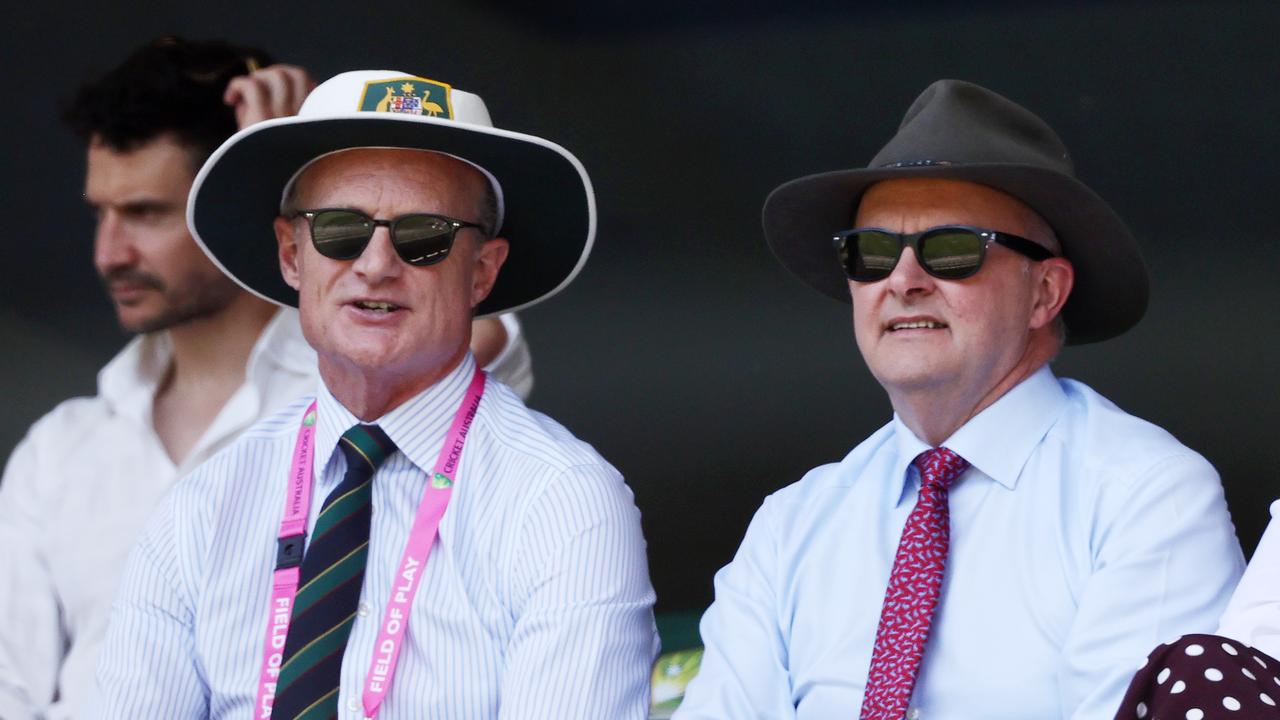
(1204,677)
(914,587)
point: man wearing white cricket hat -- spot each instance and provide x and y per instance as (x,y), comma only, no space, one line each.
(413,541)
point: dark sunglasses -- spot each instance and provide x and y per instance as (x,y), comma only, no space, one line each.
(950,252)
(419,238)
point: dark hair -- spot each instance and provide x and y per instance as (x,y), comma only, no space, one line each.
(169,85)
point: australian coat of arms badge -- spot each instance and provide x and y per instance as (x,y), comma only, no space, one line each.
(413,95)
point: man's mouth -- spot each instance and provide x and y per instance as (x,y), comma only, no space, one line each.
(128,280)
(376,306)
(917,325)
(128,294)
(123,288)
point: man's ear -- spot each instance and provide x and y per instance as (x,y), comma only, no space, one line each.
(287,250)
(488,262)
(1055,278)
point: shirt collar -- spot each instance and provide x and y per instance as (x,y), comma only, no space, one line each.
(999,440)
(281,345)
(129,382)
(417,426)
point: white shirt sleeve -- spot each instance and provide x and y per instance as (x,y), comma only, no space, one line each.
(148,668)
(585,640)
(1253,615)
(514,364)
(744,667)
(31,636)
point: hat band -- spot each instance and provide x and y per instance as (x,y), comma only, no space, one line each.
(916,163)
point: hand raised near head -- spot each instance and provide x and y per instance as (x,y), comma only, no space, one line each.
(271,92)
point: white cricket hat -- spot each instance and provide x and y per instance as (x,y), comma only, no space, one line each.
(546,204)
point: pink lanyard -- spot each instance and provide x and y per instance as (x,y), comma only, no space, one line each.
(426,526)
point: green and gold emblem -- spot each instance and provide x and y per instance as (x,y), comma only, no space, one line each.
(440,481)
(309,419)
(411,95)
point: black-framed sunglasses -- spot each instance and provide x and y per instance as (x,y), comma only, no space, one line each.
(419,238)
(950,252)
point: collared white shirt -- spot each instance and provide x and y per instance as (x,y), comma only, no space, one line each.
(1081,537)
(535,602)
(80,486)
(75,493)
(1253,615)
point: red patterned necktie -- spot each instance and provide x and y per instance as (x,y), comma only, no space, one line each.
(914,588)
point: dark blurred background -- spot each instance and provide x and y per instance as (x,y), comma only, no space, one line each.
(690,359)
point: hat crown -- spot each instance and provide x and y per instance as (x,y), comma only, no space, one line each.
(350,92)
(958,123)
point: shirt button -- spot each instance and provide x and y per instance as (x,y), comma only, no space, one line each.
(362,610)
(352,704)
(913,714)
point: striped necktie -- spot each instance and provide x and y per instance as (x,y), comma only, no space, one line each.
(915,586)
(329,585)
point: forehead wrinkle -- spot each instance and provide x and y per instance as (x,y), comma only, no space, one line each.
(323,185)
(899,219)
(379,178)
(911,205)
(362,192)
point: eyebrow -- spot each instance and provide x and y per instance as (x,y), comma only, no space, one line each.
(134,207)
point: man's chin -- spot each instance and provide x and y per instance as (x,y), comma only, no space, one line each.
(143,327)
(135,321)
(912,379)
(368,358)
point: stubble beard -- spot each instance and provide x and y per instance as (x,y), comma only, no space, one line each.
(197,301)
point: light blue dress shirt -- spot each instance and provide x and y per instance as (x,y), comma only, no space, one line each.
(535,602)
(1080,538)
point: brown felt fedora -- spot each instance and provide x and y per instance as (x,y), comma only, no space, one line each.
(959,130)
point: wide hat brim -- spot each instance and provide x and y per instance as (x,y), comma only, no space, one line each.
(1110,293)
(549,218)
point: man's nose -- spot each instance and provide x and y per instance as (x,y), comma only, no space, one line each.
(379,260)
(908,276)
(112,244)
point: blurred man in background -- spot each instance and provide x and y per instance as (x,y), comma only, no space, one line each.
(208,361)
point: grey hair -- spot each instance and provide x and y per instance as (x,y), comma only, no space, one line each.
(289,205)
(489,211)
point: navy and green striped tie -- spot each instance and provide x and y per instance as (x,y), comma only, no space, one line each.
(329,586)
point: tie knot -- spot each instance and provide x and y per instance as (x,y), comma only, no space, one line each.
(366,444)
(939,466)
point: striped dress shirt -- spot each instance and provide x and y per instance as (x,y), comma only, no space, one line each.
(535,602)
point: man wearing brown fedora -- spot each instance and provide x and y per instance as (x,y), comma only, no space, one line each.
(1010,544)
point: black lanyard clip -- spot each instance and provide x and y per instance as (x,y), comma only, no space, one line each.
(289,551)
